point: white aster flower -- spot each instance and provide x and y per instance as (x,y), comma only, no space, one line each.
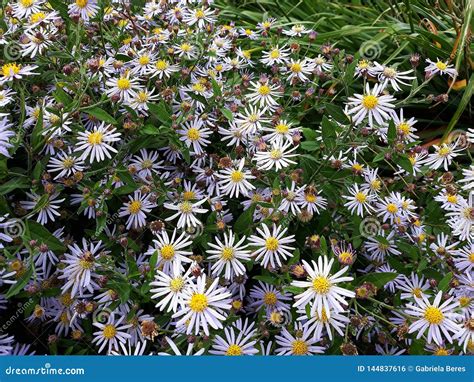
(228,256)
(186,211)
(371,104)
(440,67)
(277,157)
(96,145)
(234,181)
(203,307)
(136,209)
(272,246)
(438,319)
(322,291)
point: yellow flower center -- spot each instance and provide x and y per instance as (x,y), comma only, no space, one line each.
(270,298)
(109,331)
(234,350)
(68,163)
(392,208)
(176,284)
(417,292)
(444,151)
(464,301)
(471,257)
(299,347)
(227,253)
(198,302)
(295,67)
(363,64)
(275,53)
(321,285)
(144,60)
(142,97)
(95,138)
(271,243)
(441,65)
(199,14)
(185,47)
(276,154)
(135,207)
(453,199)
(441,351)
(433,315)
(123,84)
(7,69)
(27,3)
(264,90)
(86,263)
(37,17)
(66,299)
(253,118)
(189,195)
(282,128)
(376,184)
(404,128)
(370,101)
(193,134)
(199,88)
(38,311)
(361,197)
(236,176)
(389,72)
(310,197)
(167,252)
(161,65)
(357,167)
(345,256)
(186,207)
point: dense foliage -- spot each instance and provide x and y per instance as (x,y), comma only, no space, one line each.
(272,177)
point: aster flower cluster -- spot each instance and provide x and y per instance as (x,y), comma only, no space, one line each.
(175,185)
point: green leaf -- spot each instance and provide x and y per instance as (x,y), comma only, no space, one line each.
(228,114)
(101,115)
(245,220)
(14,184)
(444,283)
(328,130)
(378,279)
(216,89)
(62,97)
(392,132)
(37,232)
(20,284)
(161,112)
